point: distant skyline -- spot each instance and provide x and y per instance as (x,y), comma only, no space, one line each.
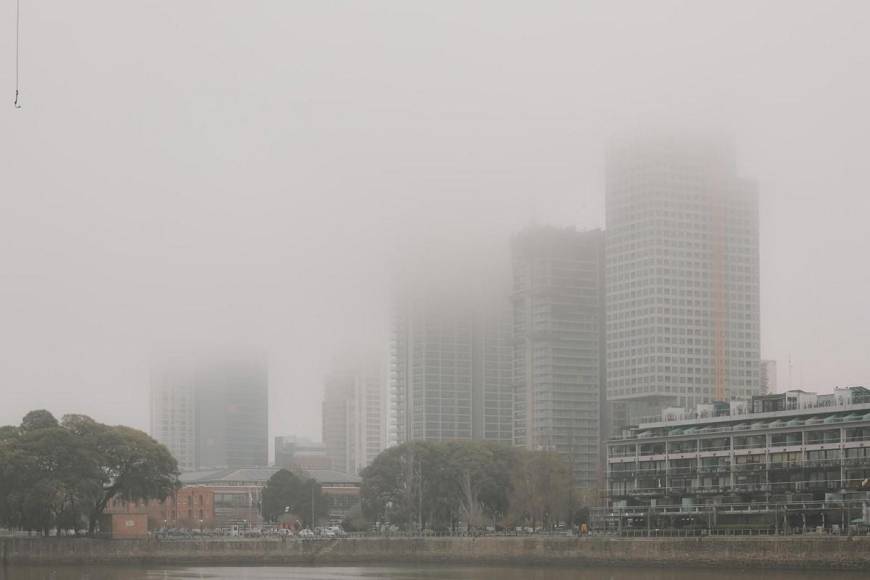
(257,181)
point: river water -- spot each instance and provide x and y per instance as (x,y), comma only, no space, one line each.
(401,573)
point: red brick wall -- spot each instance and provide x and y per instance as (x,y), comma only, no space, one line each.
(126,526)
(184,509)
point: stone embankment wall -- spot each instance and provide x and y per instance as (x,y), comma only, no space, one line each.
(748,552)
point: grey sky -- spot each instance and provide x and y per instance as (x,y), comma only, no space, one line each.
(246,170)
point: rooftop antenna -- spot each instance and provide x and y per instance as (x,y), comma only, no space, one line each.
(17,53)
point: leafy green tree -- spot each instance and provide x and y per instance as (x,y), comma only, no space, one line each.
(10,474)
(36,420)
(387,489)
(288,492)
(44,472)
(540,488)
(133,467)
(64,474)
(8,433)
(437,485)
(483,477)
(60,476)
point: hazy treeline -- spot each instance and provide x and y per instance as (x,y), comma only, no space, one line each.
(63,474)
(437,485)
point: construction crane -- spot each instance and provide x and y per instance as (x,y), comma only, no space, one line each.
(719,301)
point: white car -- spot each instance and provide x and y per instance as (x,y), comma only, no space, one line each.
(306,533)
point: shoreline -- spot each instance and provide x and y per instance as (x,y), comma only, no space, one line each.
(758,552)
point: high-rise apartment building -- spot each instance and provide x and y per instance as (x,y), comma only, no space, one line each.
(558,318)
(450,365)
(211,410)
(682,277)
(768,377)
(354,417)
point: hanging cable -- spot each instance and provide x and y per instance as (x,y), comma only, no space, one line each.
(17,53)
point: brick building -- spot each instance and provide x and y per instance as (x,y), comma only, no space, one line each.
(189,507)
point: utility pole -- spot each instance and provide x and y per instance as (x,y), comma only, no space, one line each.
(313,521)
(420,495)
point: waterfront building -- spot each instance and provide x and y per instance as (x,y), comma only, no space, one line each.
(354,416)
(211,410)
(683,323)
(238,493)
(190,507)
(558,319)
(792,453)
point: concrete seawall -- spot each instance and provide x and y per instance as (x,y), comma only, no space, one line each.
(746,552)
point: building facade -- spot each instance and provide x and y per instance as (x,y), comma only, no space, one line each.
(190,507)
(682,277)
(238,493)
(791,453)
(354,417)
(450,366)
(558,320)
(211,410)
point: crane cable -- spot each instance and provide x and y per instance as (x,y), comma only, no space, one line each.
(17,52)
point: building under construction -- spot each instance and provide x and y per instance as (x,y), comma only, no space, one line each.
(794,461)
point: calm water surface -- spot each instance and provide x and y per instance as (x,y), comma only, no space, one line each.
(401,573)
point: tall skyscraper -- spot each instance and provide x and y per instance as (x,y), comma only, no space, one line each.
(682,277)
(211,410)
(354,416)
(558,303)
(450,365)
(768,377)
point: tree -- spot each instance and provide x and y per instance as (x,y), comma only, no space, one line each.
(437,485)
(484,479)
(64,474)
(60,476)
(540,488)
(35,420)
(133,467)
(287,492)
(355,521)
(44,472)
(385,491)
